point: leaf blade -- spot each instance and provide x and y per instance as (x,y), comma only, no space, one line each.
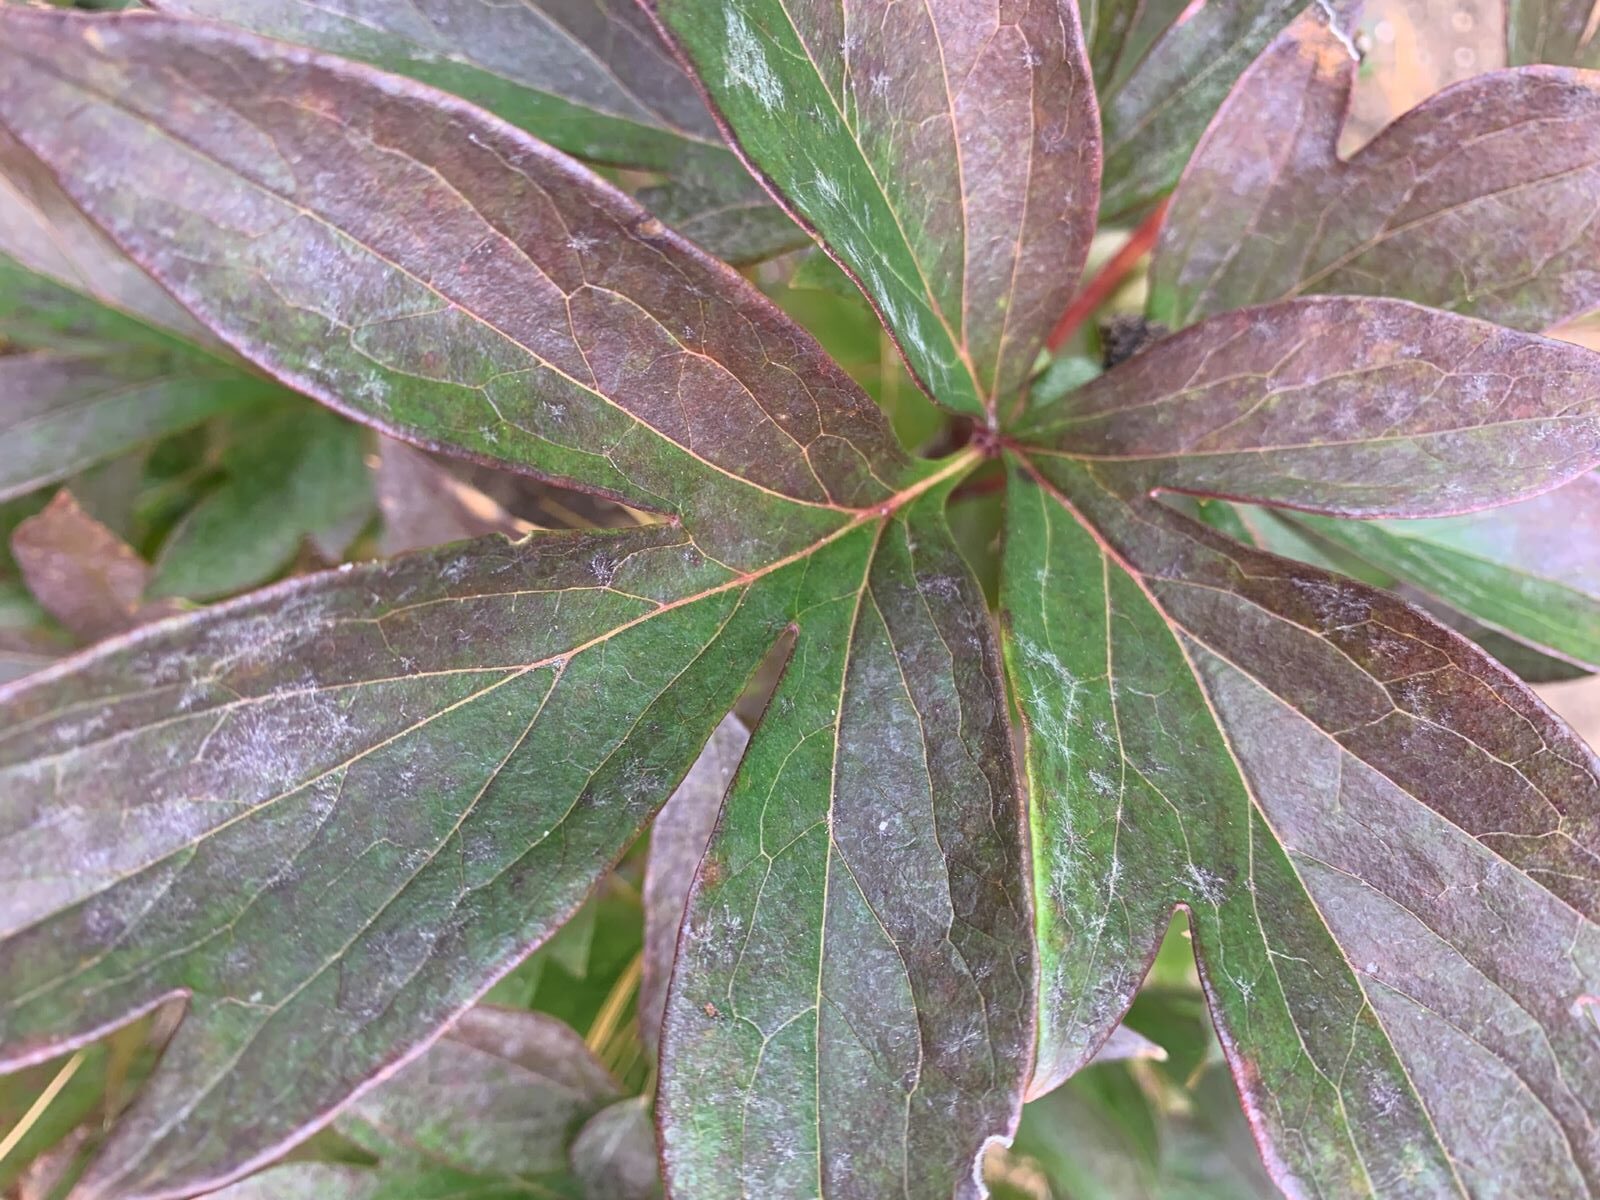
(1454,205)
(593,81)
(576,339)
(933,227)
(1344,406)
(1468,771)
(858,952)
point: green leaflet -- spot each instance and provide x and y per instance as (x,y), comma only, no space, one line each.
(109,361)
(62,412)
(931,177)
(297,474)
(592,79)
(855,956)
(1528,570)
(1249,737)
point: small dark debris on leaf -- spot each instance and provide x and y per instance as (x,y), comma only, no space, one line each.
(1125,335)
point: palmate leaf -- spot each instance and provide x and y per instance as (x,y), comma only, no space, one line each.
(332,813)
(1480,200)
(1386,845)
(938,149)
(592,79)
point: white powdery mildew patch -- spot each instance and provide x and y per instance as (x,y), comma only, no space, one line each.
(747,63)
(267,744)
(1335,605)
(1207,884)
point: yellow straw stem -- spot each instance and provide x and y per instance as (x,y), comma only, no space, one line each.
(42,1104)
(610,1014)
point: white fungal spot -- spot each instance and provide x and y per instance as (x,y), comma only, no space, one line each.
(747,62)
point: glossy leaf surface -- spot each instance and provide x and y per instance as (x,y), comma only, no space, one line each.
(1296,757)
(1355,407)
(936,149)
(510,304)
(850,1012)
(592,79)
(1480,200)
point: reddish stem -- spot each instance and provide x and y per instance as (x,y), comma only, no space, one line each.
(1108,278)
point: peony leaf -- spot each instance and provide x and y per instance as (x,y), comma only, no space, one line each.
(1354,407)
(1302,760)
(592,79)
(935,149)
(1480,200)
